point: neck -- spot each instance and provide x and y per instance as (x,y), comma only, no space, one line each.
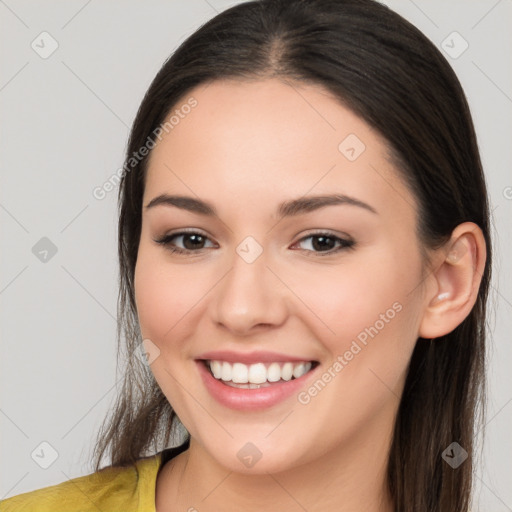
(351,478)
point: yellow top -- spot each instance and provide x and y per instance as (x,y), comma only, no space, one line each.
(113,489)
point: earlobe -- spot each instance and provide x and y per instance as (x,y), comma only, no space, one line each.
(439,298)
(455,281)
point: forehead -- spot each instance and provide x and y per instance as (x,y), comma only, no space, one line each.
(260,142)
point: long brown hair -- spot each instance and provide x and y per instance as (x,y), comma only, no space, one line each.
(387,72)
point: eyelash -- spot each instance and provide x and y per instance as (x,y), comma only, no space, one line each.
(345,244)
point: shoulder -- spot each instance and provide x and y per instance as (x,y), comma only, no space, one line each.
(123,488)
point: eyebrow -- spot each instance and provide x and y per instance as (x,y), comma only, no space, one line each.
(289,208)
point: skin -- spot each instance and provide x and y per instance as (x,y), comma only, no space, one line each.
(245,148)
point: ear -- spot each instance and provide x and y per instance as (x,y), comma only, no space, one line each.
(455,281)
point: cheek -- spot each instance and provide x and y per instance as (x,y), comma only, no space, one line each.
(346,299)
(365,311)
(368,327)
(164,295)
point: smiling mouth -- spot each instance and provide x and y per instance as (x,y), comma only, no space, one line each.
(257,375)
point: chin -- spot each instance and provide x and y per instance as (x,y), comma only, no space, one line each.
(257,458)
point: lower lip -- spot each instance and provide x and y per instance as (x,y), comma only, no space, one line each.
(250,399)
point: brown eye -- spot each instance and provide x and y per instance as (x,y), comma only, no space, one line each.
(191,241)
(326,243)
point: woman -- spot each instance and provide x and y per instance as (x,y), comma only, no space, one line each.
(305,255)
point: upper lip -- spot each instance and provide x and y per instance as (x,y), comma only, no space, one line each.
(250,357)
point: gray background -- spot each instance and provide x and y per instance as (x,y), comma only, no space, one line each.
(65,125)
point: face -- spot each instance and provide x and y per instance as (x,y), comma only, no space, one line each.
(283,328)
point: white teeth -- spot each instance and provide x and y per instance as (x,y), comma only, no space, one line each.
(298,370)
(273,372)
(255,374)
(240,373)
(216,368)
(226,371)
(287,371)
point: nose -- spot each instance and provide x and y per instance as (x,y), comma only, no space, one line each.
(249,298)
